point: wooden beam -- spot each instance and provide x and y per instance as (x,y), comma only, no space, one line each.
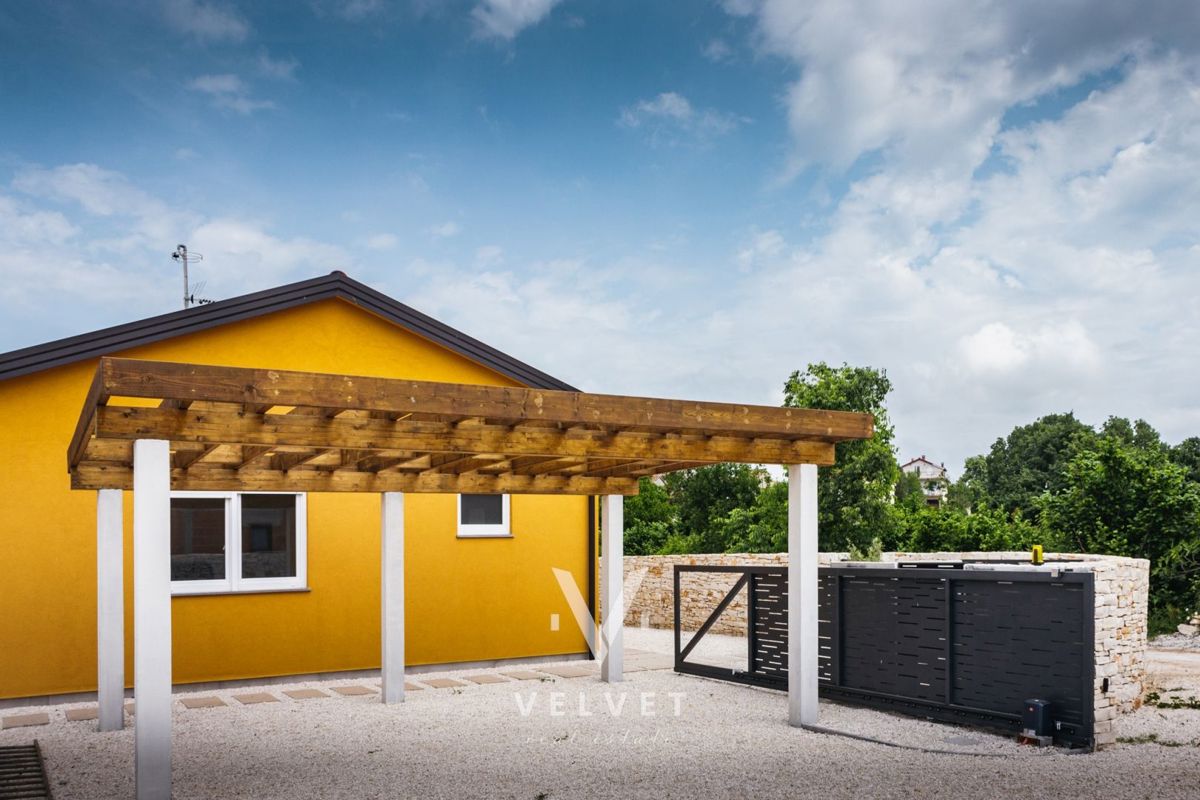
(380,461)
(315,411)
(182,459)
(252,454)
(86,427)
(287,461)
(453,463)
(169,381)
(418,463)
(117,476)
(556,464)
(366,434)
(610,468)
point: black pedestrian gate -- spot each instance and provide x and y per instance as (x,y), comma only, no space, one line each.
(950,644)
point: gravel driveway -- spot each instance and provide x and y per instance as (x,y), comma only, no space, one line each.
(658,735)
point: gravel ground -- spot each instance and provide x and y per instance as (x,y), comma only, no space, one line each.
(577,737)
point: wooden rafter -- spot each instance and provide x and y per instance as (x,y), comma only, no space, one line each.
(278,429)
(234,428)
(252,454)
(182,459)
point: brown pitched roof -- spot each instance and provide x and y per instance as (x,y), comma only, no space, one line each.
(336,284)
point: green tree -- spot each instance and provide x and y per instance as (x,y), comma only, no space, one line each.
(932,530)
(705,496)
(1123,499)
(855,494)
(972,487)
(1138,434)
(1187,455)
(761,528)
(1027,464)
(910,492)
(650,519)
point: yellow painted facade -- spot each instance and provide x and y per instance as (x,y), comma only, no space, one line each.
(467,599)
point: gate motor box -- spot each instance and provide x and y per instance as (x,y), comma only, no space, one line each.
(1035,719)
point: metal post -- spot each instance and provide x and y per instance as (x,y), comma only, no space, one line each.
(152,617)
(392,597)
(802,595)
(110,609)
(612,569)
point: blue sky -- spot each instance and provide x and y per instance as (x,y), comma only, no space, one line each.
(997,204)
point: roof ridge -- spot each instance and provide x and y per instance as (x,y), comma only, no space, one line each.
(337,284)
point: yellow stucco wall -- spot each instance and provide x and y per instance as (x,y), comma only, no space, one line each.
(467,599)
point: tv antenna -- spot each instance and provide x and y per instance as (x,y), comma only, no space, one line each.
(183,256)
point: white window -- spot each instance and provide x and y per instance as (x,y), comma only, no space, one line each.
(238,542)
(483,515)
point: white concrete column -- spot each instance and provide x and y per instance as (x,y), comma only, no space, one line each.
(802,595)
(152,617)
(110,609)
(612,579)
(391,587)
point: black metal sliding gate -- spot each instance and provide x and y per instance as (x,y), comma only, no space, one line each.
(948,644)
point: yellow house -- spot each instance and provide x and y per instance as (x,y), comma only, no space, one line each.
(275,584)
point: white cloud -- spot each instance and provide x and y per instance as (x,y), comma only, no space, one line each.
(504,19)
(360,9)
(629,344)
(998,273)
(667,105)
(445,230)
(763,245)
(277,68)
(207,22)
(232,247)
(82,246)
(382,241)
(139,218)
(670,118)
(717,51)
(997,348)
(930,83)
(489,256)
(229,92)
(23,226)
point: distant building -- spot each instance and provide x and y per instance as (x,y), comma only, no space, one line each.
(933,479)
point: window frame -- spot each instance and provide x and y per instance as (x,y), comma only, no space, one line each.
(478,530)
(233,582)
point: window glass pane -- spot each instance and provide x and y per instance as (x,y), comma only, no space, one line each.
(268,536)
(197,539)
(482,509)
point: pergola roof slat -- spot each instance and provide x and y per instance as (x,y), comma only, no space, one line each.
(189,382)
(405,435)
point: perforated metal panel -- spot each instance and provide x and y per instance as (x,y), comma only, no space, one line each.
(768,624)
(894,636)
(962,645)
(965,646)
(1020,639)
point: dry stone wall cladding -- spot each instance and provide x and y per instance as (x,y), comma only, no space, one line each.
(1121,603)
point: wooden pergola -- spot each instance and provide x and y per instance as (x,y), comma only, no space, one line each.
(154,427)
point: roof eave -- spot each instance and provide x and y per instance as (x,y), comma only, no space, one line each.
(335,285)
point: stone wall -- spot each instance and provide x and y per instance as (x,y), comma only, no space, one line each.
(1121,601)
